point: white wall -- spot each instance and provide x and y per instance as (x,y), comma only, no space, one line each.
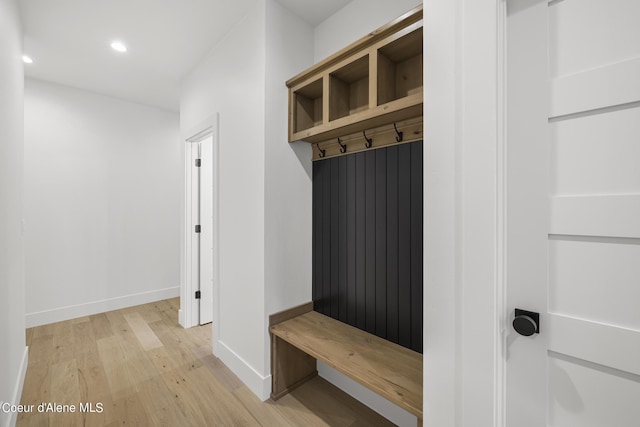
(230,80)
(355,21)
(288,173)
(478,230)
(102,185)
(441,281)
(265,183)
(13,354)
(463,381)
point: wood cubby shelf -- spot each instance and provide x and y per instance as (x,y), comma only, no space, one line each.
(308,106)
(371,84)
(400,68)
(349,89)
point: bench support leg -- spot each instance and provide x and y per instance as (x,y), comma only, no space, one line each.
(290,367)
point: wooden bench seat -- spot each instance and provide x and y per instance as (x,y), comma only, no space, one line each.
(301,336)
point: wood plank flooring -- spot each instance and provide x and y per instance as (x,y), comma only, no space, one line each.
(146,370)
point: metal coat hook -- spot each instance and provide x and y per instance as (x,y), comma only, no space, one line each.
(321,151)
(369,140)
(343,147)
(399,136)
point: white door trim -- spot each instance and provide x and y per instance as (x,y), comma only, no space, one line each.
(189,309)
(502,316)
(187,316)
(466,318)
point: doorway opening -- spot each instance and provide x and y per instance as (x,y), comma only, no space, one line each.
(200,230)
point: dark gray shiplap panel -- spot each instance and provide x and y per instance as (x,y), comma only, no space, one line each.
(367,241)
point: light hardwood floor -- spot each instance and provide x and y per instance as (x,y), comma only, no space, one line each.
(146,370)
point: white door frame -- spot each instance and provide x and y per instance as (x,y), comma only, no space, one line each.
(189,306)
(466,318)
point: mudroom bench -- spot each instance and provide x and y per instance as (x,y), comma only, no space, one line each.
(300,336)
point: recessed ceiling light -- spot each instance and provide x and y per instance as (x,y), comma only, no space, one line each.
(26,59)
(118,46)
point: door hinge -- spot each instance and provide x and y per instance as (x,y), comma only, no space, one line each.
(197,294)
(198,163)
(198,229)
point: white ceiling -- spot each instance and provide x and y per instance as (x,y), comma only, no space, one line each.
(69,41)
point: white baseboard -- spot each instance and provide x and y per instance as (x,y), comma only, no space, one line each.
(11,417)
(258,384)
(390,411)
(87,309)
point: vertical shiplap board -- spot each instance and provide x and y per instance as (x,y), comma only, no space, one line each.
(361,256)
(370,241)
(393,331)
(416,245)
(334,269)
(381,284)
(342,241)
(351,235)
(326,241)
(317,274)
(404,245)
(594,249)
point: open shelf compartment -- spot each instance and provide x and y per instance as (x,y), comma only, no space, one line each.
(349,89)
(307,108)
(400,68)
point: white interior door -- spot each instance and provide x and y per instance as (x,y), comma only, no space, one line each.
(189,304)
(206,235)
(200,261)
(573,211)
